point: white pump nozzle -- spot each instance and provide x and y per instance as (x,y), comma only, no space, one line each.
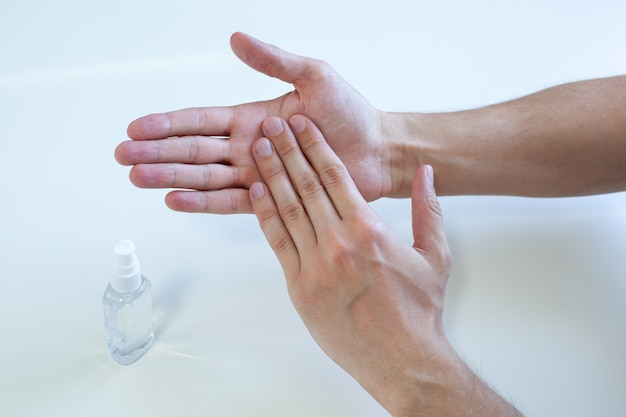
(126,271)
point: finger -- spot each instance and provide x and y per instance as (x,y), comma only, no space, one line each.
(196,177)
(428,230)
(206,121)
(305,180)
(274,229)
(186,150)
(228,201)
(271,60)
(333,174)
(289,204)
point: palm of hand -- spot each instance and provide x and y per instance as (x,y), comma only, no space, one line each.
(186,150)
(351,127)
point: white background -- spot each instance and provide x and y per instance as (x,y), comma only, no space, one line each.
(536,302)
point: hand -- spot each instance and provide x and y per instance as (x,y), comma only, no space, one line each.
(372,303)
(207,150)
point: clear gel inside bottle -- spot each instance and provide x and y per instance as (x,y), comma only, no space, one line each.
(127,304)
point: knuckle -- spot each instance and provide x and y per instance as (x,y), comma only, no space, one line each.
(173,176)
(312,300)
(285,147)
(231,205)
(157,152)
(319,69)
(293,212)
(314,70)
(441,249)
(193,150)
(341,251)
(265,215)
(309,186)
(445,256)
(369,230)
(435,207)
(204,205)
(201,119)
(281,244)
(333,174)
(271,171)
(206,177)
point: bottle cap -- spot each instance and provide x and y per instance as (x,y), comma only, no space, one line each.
(126,271)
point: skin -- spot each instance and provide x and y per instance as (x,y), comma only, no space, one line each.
(185,149)
(563,141)
(373,303)
(568,140)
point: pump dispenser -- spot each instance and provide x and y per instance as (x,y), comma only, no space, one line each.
(127,304)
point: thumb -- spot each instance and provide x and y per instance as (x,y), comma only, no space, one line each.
(269,59)
(428,231)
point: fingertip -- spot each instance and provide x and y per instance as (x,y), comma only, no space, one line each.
(257,191)
(171,201)
(231,201)
(267,58)
(152,126)
(430,175)
(298,123)
(424,183)
(236,38)
(273,126)
(263,206)
(136,176)
(120,154)
(187,201)
(262,147)
(243,45)
(135,128)
(423,197)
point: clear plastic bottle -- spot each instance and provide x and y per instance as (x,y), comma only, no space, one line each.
(127,304)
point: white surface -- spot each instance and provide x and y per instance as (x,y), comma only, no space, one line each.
(537,297)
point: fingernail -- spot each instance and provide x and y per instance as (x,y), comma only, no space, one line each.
(257,190)
(273,126)
(298,123)
(263,148)
(430,176)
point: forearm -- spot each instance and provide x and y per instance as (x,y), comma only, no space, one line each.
(442,385)
(566,140)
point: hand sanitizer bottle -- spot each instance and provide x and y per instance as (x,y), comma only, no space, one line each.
(127,304)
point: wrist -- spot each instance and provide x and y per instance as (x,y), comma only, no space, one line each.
(449,143)
(407,148)
(441,384)
(410,140)
(421,385)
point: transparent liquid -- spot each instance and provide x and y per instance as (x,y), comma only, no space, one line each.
(128,322)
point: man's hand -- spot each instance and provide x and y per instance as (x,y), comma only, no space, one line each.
(205,152)
(372,302)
